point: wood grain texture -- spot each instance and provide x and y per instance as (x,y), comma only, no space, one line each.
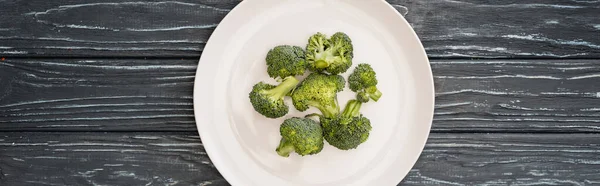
(115,28)
(179,159)
(517,95)
(145,105)
(508,159)
(448,28)
(71,94)
(498,29)
(156,95)
(104,159)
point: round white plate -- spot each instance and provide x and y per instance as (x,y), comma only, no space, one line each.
(241,143)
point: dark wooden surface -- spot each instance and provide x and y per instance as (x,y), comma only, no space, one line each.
(448,28)
(156,95)
(99,158)
(94,95)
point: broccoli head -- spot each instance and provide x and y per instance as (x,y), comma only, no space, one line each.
(349,130)
(285,60)
(363,81)
(268,100)
(301,135)
(319,91)
(333,55)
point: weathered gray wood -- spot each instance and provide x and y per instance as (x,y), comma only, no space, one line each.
(137,96)
(156,95)
(517,95)
(179,159)
(508,159)
(104,159)
(448,28)
(66,94)
(115,28)
(492,29)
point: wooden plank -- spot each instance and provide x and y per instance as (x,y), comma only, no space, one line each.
(508,159)
(506,29)
(71,94)
(448,28)
(517,95)
(156,95)
(115,28)
(104,159)
(179,159)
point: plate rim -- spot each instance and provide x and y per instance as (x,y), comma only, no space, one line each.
(216,160)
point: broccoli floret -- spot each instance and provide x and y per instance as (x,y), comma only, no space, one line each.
(319,91)
(363,81)
(286,60)
(268,100)
(301,135)
(349,130)
(333,55)
(362,97)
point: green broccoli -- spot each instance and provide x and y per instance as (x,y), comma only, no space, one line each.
(268,100)
(319,91)
(362,97)
(363,81)
(333,55)
(301,135)
(285,60)
(349,130)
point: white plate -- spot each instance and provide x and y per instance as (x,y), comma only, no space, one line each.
(241,143)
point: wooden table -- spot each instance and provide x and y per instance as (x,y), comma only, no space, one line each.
(100,92)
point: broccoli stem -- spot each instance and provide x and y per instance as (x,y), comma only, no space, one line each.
(374,93)
(352,109)
(320,64)
(284,88)
(313,115)
(375,96)
(324,58)
(328,111)
(285,148)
